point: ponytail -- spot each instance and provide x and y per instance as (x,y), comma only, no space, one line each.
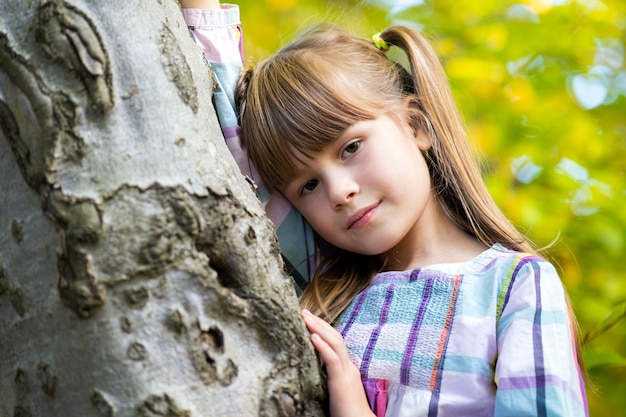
(457,181)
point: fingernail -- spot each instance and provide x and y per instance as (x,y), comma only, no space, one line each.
(306,312)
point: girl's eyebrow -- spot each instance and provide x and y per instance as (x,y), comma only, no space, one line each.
(354,129)
(296,174)
(290,188)
(348,131)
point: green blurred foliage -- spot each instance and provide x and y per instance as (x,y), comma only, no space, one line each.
(542,87)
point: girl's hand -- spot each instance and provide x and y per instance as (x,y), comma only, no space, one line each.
(347,396)
(200,4)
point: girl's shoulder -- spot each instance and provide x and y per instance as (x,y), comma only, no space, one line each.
(510,267)
(493,260)
(496,267)
(516,259)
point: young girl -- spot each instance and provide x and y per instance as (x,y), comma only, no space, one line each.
(441,307)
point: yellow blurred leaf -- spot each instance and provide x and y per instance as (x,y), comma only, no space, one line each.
(472,68)
(280,5)
(521,94)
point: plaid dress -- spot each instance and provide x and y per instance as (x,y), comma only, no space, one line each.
(488,337)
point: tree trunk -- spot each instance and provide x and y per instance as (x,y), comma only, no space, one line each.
(139,275)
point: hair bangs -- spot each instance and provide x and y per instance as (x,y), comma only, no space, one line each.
(306,108)
(307,95)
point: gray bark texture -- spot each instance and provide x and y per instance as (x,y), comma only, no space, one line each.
(139,275)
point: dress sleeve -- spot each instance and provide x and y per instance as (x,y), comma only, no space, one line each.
(218,32)
(537,373)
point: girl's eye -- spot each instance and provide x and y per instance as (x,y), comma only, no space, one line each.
(350,149)
(309,186)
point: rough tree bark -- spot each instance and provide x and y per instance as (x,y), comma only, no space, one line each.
(139,275)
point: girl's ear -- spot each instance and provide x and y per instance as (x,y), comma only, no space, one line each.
(423,139)
(420,126)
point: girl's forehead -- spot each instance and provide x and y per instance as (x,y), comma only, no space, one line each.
(301,160)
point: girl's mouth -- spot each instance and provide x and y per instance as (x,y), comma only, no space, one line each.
(362,217)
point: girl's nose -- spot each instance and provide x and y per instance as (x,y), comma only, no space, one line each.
(341,190)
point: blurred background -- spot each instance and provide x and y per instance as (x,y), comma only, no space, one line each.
(541,85)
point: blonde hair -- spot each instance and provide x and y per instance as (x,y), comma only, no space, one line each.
(306,95)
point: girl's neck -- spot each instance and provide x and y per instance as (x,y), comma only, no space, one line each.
(437,242)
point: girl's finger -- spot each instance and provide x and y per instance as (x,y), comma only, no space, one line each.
(327,341)
(328,354)
(324,330)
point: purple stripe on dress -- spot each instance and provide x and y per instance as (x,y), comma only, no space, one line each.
(240,29)
(540,377)
(521,263)
(230,132)
(354,314)
(529,382)
(405,370)
(414,275)
(371,344)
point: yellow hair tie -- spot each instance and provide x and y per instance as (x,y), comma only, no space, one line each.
(380,43)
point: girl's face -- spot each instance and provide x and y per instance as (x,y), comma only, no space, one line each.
(369,192)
